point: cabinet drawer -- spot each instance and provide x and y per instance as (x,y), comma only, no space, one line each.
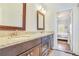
(35,51)
(44,39)
(36,41)
(28,53)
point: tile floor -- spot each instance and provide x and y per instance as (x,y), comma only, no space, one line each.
(59,53)
(62,46)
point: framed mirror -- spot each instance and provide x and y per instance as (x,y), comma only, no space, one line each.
(12,16)
(40,21)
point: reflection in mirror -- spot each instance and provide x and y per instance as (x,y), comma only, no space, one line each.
(40,21)
(12,16)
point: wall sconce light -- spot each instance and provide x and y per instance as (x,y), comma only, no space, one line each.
(44,12)
(41,9)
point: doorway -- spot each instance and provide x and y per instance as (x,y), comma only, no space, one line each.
(64,30)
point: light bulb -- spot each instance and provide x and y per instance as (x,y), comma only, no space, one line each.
(39,7)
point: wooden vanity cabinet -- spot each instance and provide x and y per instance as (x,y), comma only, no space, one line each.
(47,44)
(36,47)
(41,49)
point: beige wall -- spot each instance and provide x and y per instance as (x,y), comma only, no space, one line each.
(31,20)
(31,17)
(75,32)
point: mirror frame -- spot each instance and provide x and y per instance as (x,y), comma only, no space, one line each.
(38,24)
(4,27)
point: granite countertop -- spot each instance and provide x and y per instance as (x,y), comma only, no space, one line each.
(8,40)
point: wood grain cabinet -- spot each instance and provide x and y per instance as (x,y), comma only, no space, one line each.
(35,51)
(36,47)
(27,53)
(45,49)
(41,49)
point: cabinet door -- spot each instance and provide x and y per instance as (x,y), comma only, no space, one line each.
(37,50)
(45,49)
(32,52)
(27,53)
(51,41)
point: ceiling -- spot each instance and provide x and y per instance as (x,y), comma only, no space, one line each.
(64,6)
(59,6)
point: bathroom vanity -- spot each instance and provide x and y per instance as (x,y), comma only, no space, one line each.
(33,44)
(21,43)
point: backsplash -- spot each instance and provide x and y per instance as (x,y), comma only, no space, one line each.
(7,33)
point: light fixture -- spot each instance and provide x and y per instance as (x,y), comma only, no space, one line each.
(44,11)
(41,9)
